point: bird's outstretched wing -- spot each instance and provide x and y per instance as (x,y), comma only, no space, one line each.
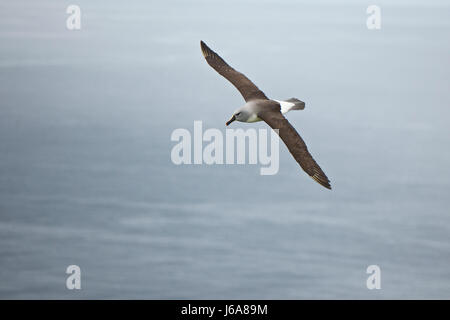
(247,88)
(296,145)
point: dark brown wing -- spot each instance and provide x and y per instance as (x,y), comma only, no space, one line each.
(296,145)
(247,88)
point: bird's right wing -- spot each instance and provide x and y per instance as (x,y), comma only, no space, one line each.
(296,145)
(247,88)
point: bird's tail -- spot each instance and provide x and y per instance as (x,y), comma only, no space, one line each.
(298,104)
(291,104)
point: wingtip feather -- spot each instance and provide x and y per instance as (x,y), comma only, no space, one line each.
(205,49)
(322,182)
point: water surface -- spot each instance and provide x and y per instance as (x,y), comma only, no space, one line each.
(86,176)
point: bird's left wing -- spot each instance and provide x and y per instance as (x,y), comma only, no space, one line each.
(295,144)
(247,88)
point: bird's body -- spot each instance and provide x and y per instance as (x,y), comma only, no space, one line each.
(260,108)
(253,107)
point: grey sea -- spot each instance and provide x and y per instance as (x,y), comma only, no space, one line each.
(86,176)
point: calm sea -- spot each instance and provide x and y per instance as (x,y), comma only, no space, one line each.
(86,176)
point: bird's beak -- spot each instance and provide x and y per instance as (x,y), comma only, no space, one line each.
(231,120)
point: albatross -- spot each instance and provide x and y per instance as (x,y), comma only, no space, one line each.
(260,108)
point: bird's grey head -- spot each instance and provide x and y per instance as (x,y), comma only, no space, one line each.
(241,114)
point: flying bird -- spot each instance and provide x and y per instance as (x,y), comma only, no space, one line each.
(260,108)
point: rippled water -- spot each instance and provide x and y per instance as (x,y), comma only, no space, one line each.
(86,176)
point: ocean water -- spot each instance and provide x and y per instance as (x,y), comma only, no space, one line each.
(86,176)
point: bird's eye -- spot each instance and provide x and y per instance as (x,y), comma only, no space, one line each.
(238,113)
